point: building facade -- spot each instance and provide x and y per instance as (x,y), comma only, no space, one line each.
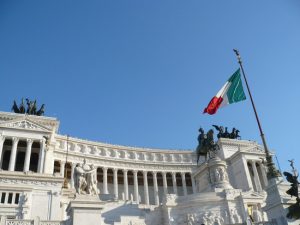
(136,185)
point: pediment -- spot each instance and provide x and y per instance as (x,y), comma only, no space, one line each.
(253,195)
(25,124)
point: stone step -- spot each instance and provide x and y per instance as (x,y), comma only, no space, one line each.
(132,220)
(115,211)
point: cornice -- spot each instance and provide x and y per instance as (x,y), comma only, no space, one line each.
(120,147)
(236,142)
(29,176)
(129,165)
(165,158)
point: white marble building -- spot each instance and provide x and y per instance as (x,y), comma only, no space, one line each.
(137,185)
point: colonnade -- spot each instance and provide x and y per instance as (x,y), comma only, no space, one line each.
(9,197)
(14,151)
(138,177)
(258,175)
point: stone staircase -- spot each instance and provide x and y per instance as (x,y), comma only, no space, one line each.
(121,213)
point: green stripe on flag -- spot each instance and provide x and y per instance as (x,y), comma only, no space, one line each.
(235,92)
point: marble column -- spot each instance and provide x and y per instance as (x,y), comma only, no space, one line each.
(193,184)
(73,165)
(256,176)
(116,190)
(48,167)
(27,155)
(2,139)
(263,174)
(41,156)
(174,183)
(105,191)
(6,198)
(64,206)
(247,173)
(184,184)
(13,154)
(13,198)
(146,189)
(136,187)
(156,197)
(125,184)
(165,185)
(62,168)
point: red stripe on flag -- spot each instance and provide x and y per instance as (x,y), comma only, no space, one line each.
(213,105)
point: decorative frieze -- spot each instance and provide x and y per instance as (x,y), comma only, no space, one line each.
(31,222)
(24,125)
(31,179)
(51,223)
(28,182)
(126,153)
(49,123)
(113,162)
(18,222)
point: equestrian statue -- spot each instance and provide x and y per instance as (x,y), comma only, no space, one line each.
(206,145)
(292,178)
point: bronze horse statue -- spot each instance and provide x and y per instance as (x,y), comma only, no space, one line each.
(225,134)
(31,108)
(206,144)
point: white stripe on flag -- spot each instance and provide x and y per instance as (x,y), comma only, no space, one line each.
(223,90)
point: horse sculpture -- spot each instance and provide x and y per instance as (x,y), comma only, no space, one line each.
(15,107)
(225,134)
(31,108)
(206,144)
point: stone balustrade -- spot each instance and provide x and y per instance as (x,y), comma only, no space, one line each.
(29,222)
(17,222)
(124,153)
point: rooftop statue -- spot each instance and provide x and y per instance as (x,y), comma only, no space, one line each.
(294,209)
(206,144)
(41,111)
(225,134)
(31,108)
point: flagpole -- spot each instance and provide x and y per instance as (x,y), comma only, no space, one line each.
(272,171)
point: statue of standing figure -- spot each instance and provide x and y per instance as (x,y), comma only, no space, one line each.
(85,177)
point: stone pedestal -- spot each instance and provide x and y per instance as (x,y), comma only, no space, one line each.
(106,197)
(84,210)
(278,201)
(218,174)
(212,176)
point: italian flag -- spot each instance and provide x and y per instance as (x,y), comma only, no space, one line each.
(231,92)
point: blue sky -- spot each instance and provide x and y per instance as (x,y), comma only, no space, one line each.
(140,73)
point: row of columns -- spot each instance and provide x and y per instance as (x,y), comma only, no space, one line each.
(135,183)
(13,154)
(9,197)
(146,189)
(258,183)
